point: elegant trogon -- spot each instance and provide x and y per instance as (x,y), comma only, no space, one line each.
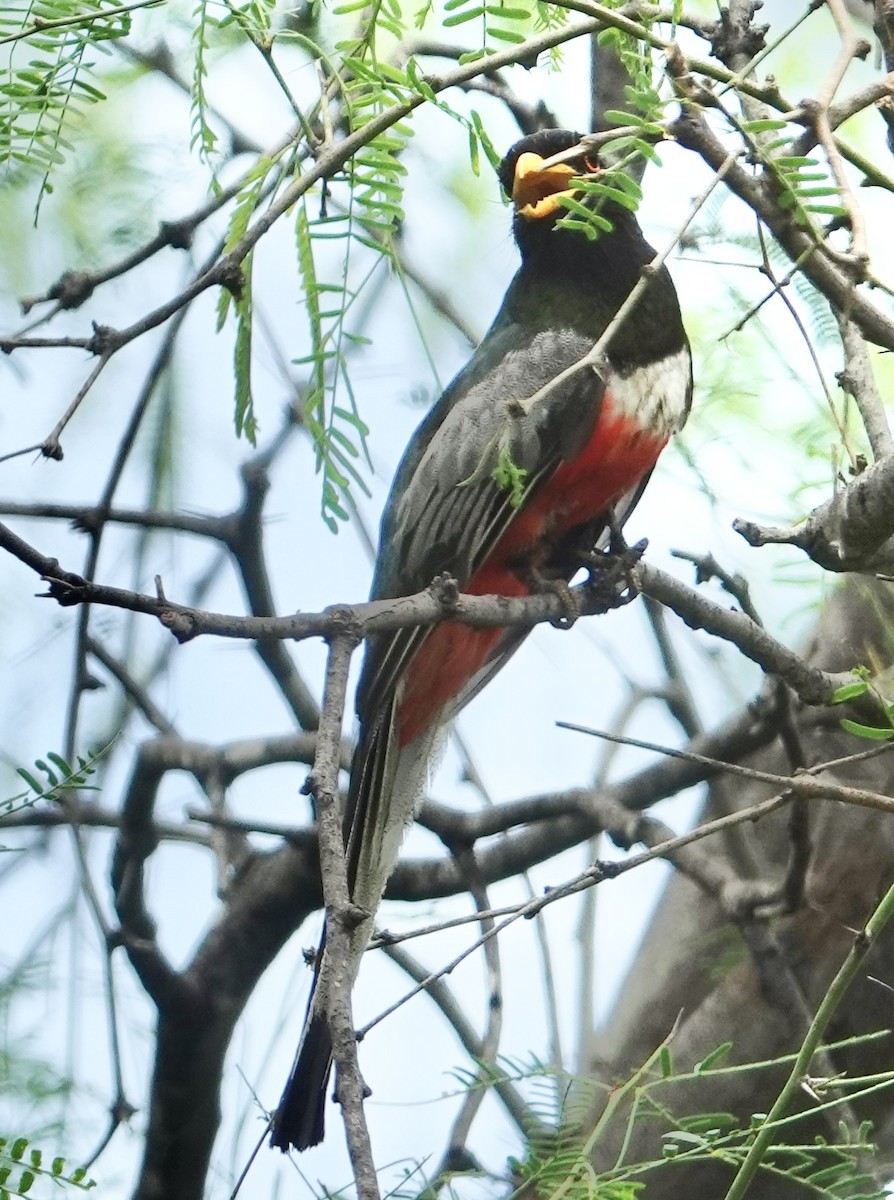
(501,486)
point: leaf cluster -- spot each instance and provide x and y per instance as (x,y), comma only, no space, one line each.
(617,185)
(49,78)
(497,23)
(344,236)
(863,685)
(560,1156)
(22,1164)
(61,776)
(802,183)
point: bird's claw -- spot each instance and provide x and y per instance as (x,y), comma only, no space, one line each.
(570,602)
(555,586)
(611,573)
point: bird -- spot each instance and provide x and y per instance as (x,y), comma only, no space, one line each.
(513,471)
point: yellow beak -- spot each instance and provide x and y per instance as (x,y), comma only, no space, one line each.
(535,191)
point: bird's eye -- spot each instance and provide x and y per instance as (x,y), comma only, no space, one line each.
(591,165)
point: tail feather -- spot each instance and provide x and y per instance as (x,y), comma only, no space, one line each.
(386,784)
(298,1121)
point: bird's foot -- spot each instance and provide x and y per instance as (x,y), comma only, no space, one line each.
(612,581)
(556,585)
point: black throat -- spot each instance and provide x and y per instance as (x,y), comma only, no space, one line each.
(582,282)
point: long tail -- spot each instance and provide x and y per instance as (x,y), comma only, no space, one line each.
(386,781)
(298,1121)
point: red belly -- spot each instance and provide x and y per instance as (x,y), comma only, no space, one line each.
(612,462)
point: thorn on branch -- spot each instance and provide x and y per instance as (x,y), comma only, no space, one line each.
(707,568)
(751,899)
(603,869)
(688,89)
(529,61)
(365,1089)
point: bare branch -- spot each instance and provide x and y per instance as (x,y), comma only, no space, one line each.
(335,976)
(693,131)
(858,379)
(851,532)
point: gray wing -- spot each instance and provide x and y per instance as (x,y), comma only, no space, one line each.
(446,511)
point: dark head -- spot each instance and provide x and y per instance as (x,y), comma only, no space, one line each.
(593,276)
(536,172)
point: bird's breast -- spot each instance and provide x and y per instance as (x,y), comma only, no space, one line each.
(639,411)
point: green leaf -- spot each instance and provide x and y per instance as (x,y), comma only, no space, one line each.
(509,477)
(474,156)
(506,35)
(32,783)
(665,1062)
(422,86)
(617,116)
(48,771)
(392,74)
(714,1057)
(680,1137)
(60,762)
(592,220)
(244,414)
(619,196)
(870,732)
(493,156)
(764,125)
(585,227)
(460,18)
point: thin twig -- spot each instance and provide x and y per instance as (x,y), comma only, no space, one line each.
(594,875)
